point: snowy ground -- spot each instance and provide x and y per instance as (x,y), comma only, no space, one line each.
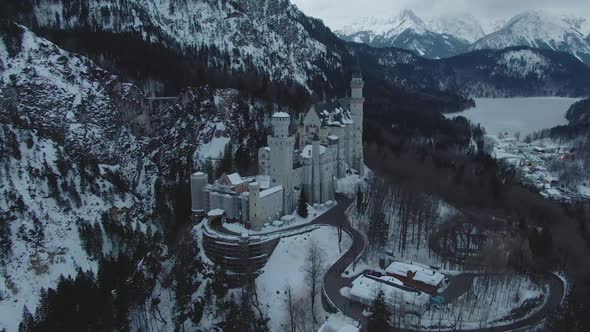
(286,268)
(339,323)
(493,300)
(417,248)
(313,213)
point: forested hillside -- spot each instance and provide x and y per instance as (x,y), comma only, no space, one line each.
(91,170)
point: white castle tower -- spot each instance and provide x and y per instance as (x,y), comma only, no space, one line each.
(356,112)
(281,158)
(315,171)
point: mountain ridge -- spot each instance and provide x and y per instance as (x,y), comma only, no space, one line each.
(406,31)
(535,29)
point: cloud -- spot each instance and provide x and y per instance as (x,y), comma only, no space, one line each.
(338,12)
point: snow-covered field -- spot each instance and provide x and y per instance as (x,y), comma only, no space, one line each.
(286,268)
(512,115)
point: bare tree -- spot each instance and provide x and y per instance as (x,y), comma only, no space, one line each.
(290,304)
(301,316)
(314,271)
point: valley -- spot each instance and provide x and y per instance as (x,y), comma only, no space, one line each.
(204,165)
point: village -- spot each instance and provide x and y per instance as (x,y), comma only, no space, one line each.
(536,163)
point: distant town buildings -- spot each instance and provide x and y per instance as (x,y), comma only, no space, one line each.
(329,137)
(531,162)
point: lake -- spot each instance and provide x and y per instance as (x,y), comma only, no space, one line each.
(524,115)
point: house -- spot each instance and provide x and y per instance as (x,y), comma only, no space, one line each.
(416,276)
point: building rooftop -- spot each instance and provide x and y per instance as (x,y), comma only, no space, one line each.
(215,213)
(427,276)
(235,178)
(332,113)
(270,191)
(367,289)
(280,115)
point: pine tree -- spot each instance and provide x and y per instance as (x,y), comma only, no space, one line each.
(379,319)
(359,199)
(226,163)
(27,323)
(5,239)
(302,206)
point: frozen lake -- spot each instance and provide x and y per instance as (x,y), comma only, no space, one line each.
(524,115)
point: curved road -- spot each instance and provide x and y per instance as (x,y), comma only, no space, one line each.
(333,301)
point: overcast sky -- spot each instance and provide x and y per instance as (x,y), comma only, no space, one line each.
(338,12)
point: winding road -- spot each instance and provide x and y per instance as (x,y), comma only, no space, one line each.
(334,301)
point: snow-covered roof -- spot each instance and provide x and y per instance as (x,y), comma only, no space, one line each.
(553,192)
(215,213)
(332,113)
(235,179)
(288,218)
(427,276)
(198,174)
(367,288)
(280,115)
(306,152)
(270,191)
(333,137)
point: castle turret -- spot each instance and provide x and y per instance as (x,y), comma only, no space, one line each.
(315,169)
(356,112)
(198,182)
(281,158)
(280,124)
(253,204)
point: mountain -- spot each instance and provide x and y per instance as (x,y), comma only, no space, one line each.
(406,31)
(538,30)
(578,22)
(579,113)
(464,26)
(510,72)
(271,38)
(88,157)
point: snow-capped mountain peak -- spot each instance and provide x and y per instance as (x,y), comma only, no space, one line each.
(464,26)
(406,19)
(406,30)
(540,30)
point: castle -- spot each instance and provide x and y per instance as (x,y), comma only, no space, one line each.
(329,137)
